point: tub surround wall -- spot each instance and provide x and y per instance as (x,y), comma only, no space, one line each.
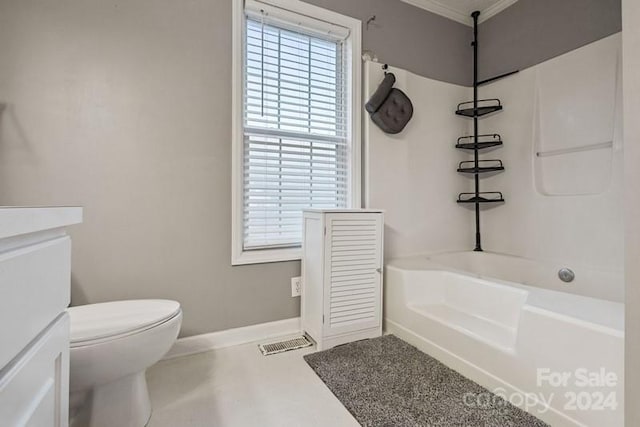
(412,175)
(580,231)
(532,31)
(583,231)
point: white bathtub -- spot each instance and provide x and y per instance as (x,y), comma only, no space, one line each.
(557,355)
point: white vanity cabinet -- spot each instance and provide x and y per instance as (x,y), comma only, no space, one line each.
(35,270)
(341,299)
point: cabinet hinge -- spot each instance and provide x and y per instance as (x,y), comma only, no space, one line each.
(325,231)
(323,319)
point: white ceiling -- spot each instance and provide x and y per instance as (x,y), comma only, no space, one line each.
(460,10)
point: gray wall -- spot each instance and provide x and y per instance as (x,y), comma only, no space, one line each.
(411,38)
(124,107)
(532,31)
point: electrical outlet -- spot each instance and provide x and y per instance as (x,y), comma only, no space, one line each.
(296,285)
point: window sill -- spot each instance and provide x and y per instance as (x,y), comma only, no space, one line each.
(266,255)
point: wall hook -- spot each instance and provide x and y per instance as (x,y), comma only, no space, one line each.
(369,21)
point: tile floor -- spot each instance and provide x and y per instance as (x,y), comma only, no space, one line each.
(238,386)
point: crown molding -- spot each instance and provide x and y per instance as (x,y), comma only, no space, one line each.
(494,9)
(439,8)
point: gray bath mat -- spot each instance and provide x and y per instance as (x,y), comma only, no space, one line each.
(387,382)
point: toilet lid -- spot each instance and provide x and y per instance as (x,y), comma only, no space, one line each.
(99,321)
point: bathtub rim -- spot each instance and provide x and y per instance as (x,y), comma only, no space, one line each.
(608,316)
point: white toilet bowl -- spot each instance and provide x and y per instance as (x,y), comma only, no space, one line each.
(112,345)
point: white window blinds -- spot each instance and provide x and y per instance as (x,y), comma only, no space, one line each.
(296,150)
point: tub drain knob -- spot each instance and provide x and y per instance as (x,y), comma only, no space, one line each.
(566,275)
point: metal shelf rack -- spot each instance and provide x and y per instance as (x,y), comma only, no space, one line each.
(476,109)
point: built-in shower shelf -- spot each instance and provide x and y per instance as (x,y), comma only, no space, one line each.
(484,141)
(484,107)
(483,197)
(492,166)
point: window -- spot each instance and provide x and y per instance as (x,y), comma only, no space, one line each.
(296,145)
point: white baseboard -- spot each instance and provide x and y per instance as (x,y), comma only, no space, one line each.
(231,337)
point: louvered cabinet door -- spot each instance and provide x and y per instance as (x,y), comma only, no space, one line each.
(353,272)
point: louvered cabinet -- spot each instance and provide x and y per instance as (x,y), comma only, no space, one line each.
(342,275)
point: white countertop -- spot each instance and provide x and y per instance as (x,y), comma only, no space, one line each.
(18,220)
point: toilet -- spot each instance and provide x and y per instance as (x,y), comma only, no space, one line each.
(112,345)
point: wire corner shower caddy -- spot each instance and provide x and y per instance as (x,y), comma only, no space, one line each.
(476,142)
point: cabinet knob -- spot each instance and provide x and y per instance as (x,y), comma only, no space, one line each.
(379,270)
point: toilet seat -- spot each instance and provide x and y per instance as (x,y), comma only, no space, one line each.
(94,323)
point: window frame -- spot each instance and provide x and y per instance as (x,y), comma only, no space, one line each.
(353,48)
